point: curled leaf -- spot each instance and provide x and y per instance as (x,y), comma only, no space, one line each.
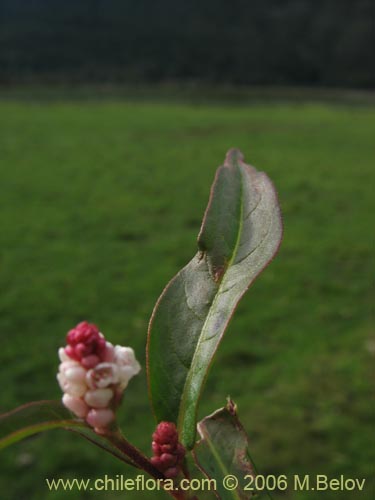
(240,234)
(223,454)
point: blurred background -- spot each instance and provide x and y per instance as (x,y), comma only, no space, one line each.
(114,116)
(292,42)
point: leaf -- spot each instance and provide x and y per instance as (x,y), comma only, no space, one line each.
(240,234)
(32,418)
(222,451)
(40,416)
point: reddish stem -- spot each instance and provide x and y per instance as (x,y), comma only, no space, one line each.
(140,460)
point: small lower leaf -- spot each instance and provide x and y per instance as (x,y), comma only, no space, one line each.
(223,453)
(35,417)
(40,416)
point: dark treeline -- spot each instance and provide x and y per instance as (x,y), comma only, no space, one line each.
(296,42)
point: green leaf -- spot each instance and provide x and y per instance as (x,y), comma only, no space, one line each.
(32,418)
(224,450)
(240,234)
(40,416)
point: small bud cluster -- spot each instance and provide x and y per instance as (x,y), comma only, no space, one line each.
(93,374)
(168,452)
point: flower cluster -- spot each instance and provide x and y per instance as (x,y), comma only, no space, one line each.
(93,374)
(168,452)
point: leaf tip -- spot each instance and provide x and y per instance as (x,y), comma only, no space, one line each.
(231,406)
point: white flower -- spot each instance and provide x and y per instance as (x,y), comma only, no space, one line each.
(63,356)
(109,355)
(127,365)
(92,380)
(76,405)
(103,375)
(72,378)
(99,398)
(99,419)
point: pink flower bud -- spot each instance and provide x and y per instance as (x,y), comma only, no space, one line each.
(171,472)
(167,460)
(180,451)
(127,364)
(109,355)
(166,448)
(99,419)
(63,356)
(72,378)
(90,361)
(99,398)
(156,462)
(166,433)
(156,448)
(69,351)
(85,340)
(82,350)
(76,405)
(93,374)
(103,375)
(168,452)
(76,374)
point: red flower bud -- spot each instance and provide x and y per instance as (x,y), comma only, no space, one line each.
(156,462)
(86,344)
(90,361)
(166,433)
(168,452)
(156,448)
(180,451)
(171,472)
(167,460)
(166,448)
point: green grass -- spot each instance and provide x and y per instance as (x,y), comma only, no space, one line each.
(100,205)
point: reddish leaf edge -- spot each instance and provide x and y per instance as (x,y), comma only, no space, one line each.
(29,430)
(233,154)
(112,441)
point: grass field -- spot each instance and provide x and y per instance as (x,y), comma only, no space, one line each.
(100,205)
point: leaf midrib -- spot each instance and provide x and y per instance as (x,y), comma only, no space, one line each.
(217,295)
(218,460)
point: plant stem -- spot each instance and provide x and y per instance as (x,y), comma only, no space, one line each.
(118,440)
(140,460)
